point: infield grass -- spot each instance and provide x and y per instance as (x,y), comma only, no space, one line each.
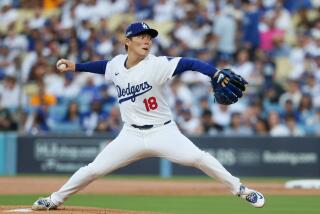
(183,204)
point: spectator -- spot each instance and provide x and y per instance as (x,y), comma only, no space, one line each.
(277,129)
(73,115)
(250,23)
(112,124)
(208,125)
(108,101)
(38,21)
(289,109)
(188,123)
(244,67)
(7,122)
(269,34)
(37,122)
(5,60)
(42,98)
(306,113)
(293,93)
(225,28)
(312,87)
(143,9)
(8,15)
(70,89)
(17,43)
(164,10)
(261,127)
(9,93)
(236,127)
(222,115)
(294,129)
(94,116)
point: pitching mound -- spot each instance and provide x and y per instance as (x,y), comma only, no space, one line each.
(66,209)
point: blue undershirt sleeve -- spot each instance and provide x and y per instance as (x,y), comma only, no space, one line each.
(97,67)
(190,64)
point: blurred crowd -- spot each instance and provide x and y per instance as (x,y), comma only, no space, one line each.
(273,44)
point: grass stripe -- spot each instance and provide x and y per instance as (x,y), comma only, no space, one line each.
(184,204)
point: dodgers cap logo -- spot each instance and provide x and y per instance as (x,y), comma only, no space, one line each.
(137,28)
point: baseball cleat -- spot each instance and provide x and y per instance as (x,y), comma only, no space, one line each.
(44,204)
(255,198)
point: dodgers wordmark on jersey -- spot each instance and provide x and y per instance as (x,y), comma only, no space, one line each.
(140,88)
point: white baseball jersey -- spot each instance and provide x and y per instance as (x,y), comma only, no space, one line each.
(142,102)
(140,88)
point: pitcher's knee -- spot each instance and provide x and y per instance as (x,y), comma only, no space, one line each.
(195,160)
(201,159)
(91,171)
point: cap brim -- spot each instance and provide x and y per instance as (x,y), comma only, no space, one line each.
(152,32)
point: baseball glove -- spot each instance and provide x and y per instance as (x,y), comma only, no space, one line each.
(228,87)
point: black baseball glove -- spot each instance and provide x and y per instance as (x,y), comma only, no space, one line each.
(228,87)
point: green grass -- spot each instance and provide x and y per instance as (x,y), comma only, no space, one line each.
(184,204)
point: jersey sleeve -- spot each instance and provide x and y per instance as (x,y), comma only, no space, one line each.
(107,72)
(165,67)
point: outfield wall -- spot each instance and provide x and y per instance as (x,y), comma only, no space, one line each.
(243,156)
(8,152)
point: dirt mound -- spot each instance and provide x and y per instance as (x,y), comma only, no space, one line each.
(67,209)
(25,185)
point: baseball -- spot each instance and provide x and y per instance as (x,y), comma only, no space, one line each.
(62,66)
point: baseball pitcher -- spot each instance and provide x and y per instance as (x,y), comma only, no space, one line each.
(149,129)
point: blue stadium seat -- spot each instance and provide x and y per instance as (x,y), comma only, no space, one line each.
(57,112)
(65,127)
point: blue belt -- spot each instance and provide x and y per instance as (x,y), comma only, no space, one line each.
(143,127)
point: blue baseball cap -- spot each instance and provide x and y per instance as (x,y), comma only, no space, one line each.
(137,28)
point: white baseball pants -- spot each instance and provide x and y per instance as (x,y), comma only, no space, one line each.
(133,144)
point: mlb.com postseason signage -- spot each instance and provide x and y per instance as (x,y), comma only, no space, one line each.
(256,156)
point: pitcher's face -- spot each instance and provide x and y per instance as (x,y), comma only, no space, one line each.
(140,44)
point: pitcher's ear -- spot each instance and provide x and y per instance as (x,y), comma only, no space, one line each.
(127,41)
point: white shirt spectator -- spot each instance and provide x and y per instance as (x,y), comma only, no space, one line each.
(53,83)
(222,114)
(188,122)
(16,43)
(296,58)
(185,32)
(181,92)
(9,96)
(245,70)
(279,130)
(8,16)
(83,12)
(81,79)
(70,88)
(38,21)
(164,10)
(120,6)
(105,47)
(83,33)
(225,28)
(295,97)
(297,132)
(29,60)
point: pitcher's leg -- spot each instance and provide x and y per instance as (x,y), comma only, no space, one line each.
(177,148)
(180,149)
(120,152)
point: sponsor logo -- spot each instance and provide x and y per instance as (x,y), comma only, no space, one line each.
(132,91)
(116,74)
(220,78)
